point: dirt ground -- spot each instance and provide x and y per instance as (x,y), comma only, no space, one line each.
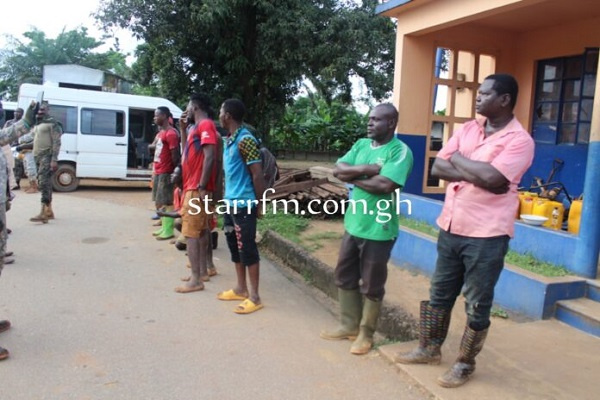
(323,238)
(123,193)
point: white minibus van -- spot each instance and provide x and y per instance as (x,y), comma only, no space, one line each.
(9,111)
(105,135)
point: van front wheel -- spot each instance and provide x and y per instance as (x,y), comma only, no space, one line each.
(64,178)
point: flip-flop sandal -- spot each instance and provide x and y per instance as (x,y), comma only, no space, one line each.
(212,271)
(9,261)
(247,306)
(230,295)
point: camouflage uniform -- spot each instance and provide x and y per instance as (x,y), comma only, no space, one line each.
(28,159)
(7,135)
(46,146)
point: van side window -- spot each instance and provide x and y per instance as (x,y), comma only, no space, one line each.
(102,122)
(67,116)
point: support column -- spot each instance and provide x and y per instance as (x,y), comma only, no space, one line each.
(588,246)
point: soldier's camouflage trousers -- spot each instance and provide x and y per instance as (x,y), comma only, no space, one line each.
(44,173)
(3,234)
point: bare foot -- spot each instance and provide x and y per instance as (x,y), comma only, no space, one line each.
(205,278)
(212,271)
(189,288)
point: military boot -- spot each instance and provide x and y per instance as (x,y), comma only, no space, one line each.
(368,325)
(350,313)
(48,211)
(41,217)
(433,329)
(33,187)
(470,345)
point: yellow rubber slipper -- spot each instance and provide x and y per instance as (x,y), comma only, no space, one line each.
(230,295)
(247,306)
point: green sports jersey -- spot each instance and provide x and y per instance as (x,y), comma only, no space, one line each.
(375,216)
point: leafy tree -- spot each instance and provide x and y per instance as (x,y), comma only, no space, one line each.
(257,50)
(314,124)
(23,62)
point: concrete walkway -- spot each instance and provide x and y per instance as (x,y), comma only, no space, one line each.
(95,316)
(521,359)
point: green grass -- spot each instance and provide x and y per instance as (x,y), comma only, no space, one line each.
(498,313)
(524,261)
(532,264)
(289,226)
(419,226)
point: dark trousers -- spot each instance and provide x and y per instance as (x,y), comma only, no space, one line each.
(362,263)
(475,263)
(240,232)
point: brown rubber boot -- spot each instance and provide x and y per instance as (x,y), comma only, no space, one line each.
(350,314)
(470,345)
(33,187)
(433,328)
(41,217)
(48,211)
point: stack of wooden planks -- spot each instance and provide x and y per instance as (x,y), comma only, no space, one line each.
(317,193)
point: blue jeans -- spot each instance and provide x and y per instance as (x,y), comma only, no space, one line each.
(475,263)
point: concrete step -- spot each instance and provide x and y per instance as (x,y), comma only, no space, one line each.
(592,291)
(582,314)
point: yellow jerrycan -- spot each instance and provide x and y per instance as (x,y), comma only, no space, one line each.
(575,216)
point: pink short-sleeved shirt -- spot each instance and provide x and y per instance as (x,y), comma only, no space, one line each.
(472,211)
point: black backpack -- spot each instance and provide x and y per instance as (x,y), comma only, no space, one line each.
(269,166)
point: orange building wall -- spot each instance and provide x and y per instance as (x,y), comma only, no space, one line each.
(556,41)
(516,53)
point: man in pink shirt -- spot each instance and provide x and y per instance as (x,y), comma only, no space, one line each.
(483,163)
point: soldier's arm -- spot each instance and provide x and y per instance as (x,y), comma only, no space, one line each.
(55,134)
(10,134)
(28,138)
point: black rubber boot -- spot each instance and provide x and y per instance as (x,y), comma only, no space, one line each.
(470,345)
(433,329)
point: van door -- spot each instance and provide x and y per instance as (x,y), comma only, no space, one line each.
(66,114)
(102,142)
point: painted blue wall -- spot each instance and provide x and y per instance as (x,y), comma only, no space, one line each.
(557,247)
(414,183)
(517,290)
(572,173)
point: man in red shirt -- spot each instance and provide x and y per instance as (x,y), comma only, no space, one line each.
(199,170)
(483,162)
(166,157)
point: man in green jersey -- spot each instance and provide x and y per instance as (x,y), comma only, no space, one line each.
(378,167)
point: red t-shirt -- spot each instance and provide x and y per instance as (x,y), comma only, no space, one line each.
(204,133)
(163,161)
